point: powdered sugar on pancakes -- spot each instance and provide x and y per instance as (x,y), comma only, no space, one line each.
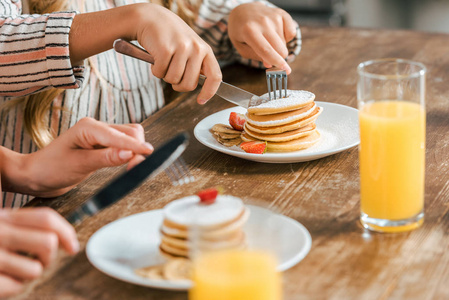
(188,210)
(294,100)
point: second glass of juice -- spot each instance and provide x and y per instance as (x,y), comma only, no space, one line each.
(391,100)
(244,273)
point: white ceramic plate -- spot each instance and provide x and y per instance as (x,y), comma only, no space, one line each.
(338,125)
(122,246)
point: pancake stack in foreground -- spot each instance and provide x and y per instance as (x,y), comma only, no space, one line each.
(286,124)
(218,225)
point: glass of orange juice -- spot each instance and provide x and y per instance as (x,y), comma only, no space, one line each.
(246,272)
(391,101)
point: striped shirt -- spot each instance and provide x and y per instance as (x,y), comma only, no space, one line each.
(34,56)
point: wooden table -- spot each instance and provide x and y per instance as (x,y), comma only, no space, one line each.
(345,262)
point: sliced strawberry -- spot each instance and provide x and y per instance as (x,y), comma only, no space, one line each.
(237,120)
(208,196)
(257,147)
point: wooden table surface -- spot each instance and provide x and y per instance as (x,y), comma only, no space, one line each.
(345,261)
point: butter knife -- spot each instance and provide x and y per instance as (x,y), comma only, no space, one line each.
(119,187)
(226,91)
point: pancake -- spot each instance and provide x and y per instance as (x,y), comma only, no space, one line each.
(184,212)
(182,247)
(227,136)
(223,128)
(232,241)
(293,145)
(188,222)
(176,231)
(286,127)
(294,100)
(280,118)
(173,251)
(285,136)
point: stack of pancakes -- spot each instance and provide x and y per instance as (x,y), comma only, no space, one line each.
(286,124)
(188,223)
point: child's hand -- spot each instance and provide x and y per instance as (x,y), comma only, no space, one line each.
(180,55)
(84,148)
(260,32)
(37,232)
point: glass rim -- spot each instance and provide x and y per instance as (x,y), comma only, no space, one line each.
(363,65)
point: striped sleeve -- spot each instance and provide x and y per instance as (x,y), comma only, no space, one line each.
(212,26)
(34,53)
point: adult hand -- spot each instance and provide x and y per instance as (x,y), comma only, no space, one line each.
(261,33)
(180,55)
(84,148)
(38,232)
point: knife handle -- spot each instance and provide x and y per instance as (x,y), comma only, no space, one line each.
(128,48)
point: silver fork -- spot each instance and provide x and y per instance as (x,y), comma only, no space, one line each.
(275,78)
(179,173)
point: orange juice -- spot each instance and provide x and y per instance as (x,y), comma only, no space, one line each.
(236,275)
(392,153)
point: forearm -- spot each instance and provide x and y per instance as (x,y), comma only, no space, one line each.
(13,170)
(95,32)
(34,53)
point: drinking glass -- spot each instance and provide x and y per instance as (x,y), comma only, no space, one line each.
(240,273)
(391,101)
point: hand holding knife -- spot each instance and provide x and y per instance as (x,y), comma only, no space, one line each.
(226,91)
(119,187)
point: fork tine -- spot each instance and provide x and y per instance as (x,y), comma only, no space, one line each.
(171,173)
(178,172)
(182,166)
(274,86)
(269,86)
(285,85)
(280,86)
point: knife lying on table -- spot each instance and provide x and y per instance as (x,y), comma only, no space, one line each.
(158,161)
(226,91)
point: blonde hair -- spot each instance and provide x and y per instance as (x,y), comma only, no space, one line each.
(36,106)
(187,9)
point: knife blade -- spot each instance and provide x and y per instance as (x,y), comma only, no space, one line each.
(158,161)
(226,91)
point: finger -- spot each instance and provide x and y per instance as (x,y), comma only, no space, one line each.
(91,160)
(43,244)
(266,52)
(93,133)
(46,219)
(161,63)
(192,72)
(134,130)
(213,74)
(137,159)
(19,266)
(277,42)
(267,65)
(247,52)
(290,26)
(9,286)
(176,69)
